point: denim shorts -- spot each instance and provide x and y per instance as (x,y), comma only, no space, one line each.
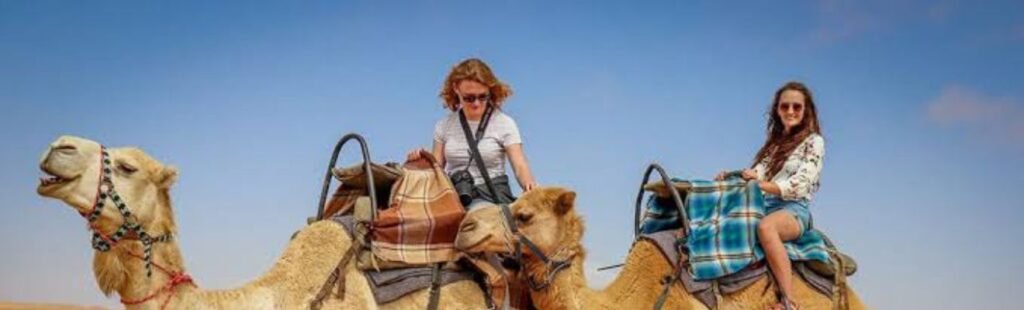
(798,208)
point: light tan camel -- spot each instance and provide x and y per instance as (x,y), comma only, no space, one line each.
(72,168)
(547,216)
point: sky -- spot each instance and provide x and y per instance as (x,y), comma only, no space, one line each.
(921,105)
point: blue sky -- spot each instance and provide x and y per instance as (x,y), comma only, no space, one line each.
(921,105)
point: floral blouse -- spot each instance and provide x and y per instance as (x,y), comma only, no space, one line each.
(798,179)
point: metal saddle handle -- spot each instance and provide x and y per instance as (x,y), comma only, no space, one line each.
(366,167)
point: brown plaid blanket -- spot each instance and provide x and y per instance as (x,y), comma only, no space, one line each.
(420,225)
(353,185)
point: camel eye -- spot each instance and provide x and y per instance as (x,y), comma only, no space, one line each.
(523,218)
(126,168)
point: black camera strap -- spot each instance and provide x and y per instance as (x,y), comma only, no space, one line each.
(475,152)
(480,129)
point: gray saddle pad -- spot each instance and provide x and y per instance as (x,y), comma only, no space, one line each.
(666,241)
(702,290)
(390,285)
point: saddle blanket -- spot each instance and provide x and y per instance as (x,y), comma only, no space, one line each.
(723,219)
(703,291)
(390,285)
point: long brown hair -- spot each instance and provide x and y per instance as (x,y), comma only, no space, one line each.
(473,69)
(779,143)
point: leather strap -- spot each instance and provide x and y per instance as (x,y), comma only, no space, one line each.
(435,287)
(475,152)
(337,277)
(481,128)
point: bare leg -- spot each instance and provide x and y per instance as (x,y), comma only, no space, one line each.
(773,230)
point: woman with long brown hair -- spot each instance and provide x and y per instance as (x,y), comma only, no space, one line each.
(787,168)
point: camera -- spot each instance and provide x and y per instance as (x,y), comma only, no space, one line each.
(462,180)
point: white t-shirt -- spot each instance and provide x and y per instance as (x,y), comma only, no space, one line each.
(501,131)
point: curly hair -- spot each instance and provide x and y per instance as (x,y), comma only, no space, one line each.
(780,143)
(473,69)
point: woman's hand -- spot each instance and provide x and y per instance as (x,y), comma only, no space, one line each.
(746,175)
(721,175)
(520,166)
(529,186)
(414,154)
(749,174)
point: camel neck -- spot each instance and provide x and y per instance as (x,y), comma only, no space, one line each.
(644,269)
(567,290)
(124,272)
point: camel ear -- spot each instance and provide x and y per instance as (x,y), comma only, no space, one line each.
(566,200)
(167,176)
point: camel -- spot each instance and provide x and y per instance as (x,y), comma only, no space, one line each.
(74,170)
(547,216)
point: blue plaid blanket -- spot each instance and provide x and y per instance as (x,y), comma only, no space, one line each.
(723,227)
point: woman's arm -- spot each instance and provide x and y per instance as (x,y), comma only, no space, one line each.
(520,166)
(757,173)
(439,153)
(802,183)
(770,187)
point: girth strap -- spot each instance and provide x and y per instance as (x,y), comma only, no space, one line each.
(669,279)
(435,287)
(839,290)
(337,277)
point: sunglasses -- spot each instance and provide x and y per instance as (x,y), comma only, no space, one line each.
(473,98)
(786,106)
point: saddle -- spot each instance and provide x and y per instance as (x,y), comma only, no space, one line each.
(418,223)
(393,249)
(397,279)
(826,272)
(709,291)
(354,185)
(837,259)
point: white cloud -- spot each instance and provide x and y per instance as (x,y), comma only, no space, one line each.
(841,20)
(838,20)
(957,104)
(989,115)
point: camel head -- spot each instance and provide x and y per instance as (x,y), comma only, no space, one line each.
(546,216)
(72,168)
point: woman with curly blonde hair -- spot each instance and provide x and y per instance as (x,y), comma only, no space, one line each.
(472,92)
